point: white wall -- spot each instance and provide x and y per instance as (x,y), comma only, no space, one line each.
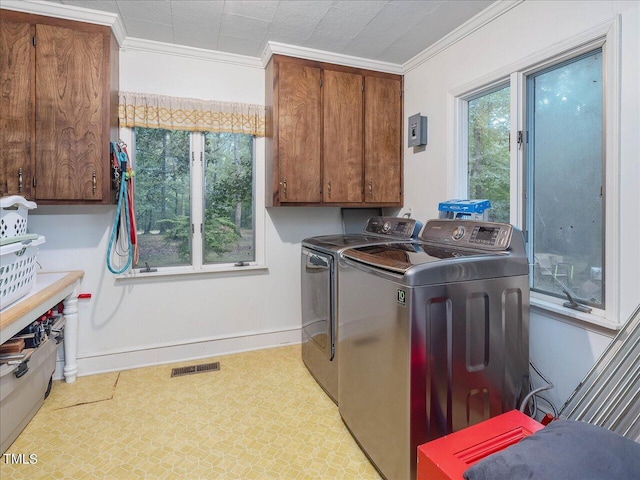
(564,350)
(132,323)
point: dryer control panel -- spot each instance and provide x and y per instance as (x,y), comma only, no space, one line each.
(402,228)
(490,236)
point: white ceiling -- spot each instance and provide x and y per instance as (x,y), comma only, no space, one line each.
(392,31)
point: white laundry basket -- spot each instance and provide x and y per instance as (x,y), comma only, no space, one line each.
(18,269)
(14,211)
(18,249)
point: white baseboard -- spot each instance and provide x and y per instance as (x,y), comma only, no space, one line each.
(163,354)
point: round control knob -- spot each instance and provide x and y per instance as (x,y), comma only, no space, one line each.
(458,233)
(386,227)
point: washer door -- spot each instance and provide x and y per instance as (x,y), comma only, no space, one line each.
(317,300)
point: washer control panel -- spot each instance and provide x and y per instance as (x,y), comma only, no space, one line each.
(468,234)
(402,228)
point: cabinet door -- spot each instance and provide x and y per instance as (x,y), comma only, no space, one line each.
(342,142)
(298,136)
(383,123)
(16,107)
(69,114)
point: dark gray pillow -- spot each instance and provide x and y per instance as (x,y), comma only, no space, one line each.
(563,450)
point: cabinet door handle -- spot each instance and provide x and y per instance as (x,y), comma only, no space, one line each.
(94,181)
(370,188)
(329,188)
(20,180)
(284,185)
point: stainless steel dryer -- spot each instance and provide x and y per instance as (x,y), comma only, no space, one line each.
(434,337)
(319,291)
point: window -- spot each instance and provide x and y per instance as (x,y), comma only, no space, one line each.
(228,198)
(564,171)
(194,198)
(534,142)
(163,197)
(488,155)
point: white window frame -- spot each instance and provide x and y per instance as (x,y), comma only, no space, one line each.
(197,214)
(606,36)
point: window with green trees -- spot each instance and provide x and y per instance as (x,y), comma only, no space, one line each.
(488,156)
(228,198)
(194,197)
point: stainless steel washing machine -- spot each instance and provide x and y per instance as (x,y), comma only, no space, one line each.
(319,291)
(434,337)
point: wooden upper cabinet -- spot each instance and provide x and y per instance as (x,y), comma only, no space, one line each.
(62,113)
(298,146)
(382,140)
(323,125)
(342,137)
(69,114)
(16,107)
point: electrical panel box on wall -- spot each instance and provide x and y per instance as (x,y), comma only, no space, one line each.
(417,130)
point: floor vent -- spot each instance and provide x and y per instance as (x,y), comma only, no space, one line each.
(191,369)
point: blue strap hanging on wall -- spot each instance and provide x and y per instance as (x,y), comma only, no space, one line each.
(120,232)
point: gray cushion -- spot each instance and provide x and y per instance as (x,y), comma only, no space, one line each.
(563,450)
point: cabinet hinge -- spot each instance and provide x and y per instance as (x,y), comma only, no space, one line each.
(34,41)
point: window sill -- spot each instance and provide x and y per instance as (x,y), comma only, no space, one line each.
(554,306)
(213,270)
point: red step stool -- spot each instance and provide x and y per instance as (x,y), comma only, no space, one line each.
(447,458)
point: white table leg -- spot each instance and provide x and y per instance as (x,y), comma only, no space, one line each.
(70,313)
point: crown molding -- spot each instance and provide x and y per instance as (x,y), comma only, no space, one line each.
(275,48)
(486,16)
(152,46)
(69,12)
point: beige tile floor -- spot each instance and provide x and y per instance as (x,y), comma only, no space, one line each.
(261,416)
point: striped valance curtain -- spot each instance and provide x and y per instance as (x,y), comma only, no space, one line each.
(175,113)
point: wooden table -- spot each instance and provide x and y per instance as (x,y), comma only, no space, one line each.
(50,289)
